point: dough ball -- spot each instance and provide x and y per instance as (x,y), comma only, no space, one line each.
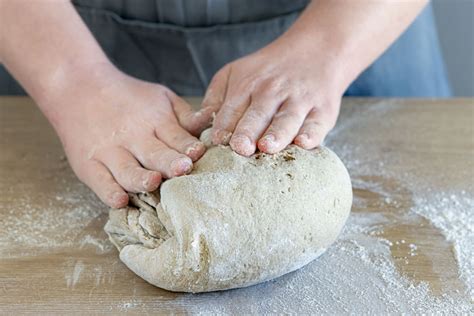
(234,221)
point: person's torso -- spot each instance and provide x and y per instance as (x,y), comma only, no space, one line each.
(182,43)
(196,13)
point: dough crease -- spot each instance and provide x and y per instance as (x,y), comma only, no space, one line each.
(234,221)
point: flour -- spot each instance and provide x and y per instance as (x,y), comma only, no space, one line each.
(357,275)
(100,245)
(454,216)
(73,277)
(52,223)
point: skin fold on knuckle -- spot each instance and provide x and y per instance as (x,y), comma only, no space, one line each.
(254,116)
(275,88)
(132,177)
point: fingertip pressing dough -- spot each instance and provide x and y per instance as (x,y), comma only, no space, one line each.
(234,221)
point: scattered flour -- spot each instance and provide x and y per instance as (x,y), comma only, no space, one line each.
(100,245)
(56,222)
(357,275)
(73,277)
(454,216)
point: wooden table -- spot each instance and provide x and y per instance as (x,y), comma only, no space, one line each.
(55,257)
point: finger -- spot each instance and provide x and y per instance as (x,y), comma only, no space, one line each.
(194,122)
(215,95)
(254,122)
(101,181)
(128,172)
(229,115)
(177,138)
(155,155)
(284,127)
(313,131)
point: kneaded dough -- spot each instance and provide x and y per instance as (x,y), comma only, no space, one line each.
(234,221)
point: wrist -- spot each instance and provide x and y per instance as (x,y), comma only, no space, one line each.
(63,78)
(67,90)
(325,44)
(317,55)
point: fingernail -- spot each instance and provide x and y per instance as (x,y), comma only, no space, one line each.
(269,140)
(195,150)
(182,165)
(242,145)
(241,140)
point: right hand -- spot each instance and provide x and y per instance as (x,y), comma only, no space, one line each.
(123,134)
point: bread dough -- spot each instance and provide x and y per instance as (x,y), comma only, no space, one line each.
(234,221)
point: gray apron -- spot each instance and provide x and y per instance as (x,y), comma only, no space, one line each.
(180,44)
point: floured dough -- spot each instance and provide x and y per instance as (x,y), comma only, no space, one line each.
(234,221)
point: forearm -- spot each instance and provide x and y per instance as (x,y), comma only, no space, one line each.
(46,46)
(350,34)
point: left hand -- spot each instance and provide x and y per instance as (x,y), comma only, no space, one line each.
(273,97)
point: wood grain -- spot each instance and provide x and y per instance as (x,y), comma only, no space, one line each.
(67,265)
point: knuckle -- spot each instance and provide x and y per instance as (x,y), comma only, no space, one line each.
(274,86)
(151,156)
(181,139)
(255,114)
(302,91)
(131,175)
(124,166)
(312,129)
(231,112)
(247,83)
(167,156)
(288,115)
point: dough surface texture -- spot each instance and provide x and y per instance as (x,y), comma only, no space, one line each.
(234,221)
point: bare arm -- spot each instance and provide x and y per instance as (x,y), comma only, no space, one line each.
(46,46)
(354,32)
(119,133)
(290,90)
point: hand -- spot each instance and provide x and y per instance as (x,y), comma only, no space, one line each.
(122,134)
(276,96)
